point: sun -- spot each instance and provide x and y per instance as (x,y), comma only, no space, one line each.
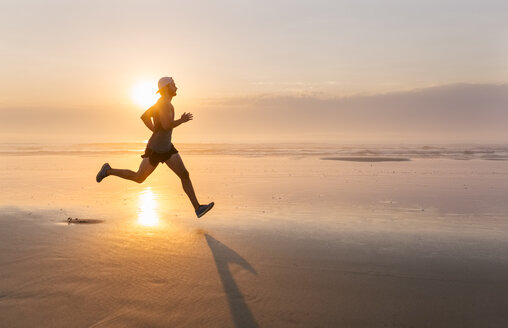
(143,93)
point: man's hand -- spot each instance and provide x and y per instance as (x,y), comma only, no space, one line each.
(186,117)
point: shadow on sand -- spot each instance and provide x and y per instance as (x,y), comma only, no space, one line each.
(223,256)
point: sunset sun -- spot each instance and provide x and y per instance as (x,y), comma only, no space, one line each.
(143,93)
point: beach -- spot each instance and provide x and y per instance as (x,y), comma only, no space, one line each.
(301,236)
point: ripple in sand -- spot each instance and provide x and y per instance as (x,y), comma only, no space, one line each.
(367,159)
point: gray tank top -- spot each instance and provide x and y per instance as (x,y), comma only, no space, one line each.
(160,141)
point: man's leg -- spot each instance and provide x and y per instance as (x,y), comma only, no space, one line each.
(144,170)
(175,163)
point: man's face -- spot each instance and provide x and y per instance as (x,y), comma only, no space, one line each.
(172,88)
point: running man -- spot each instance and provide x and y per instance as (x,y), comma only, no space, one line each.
(159,148)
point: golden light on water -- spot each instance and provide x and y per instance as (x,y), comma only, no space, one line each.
(147,214)
(143,93)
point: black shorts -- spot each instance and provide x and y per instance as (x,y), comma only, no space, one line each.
(156,158)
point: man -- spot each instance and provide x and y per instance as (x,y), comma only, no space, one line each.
(159,148)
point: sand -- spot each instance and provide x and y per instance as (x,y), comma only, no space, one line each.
(367,159)
(292,242)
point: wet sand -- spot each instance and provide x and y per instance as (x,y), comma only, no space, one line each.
(292,242)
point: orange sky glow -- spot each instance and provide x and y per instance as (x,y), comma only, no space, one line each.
(86,70)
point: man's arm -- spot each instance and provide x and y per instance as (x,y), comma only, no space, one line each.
(147,118)
(168,122)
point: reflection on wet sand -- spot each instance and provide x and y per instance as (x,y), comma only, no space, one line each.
(147,213)
(223,256)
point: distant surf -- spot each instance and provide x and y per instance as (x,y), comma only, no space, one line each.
(327,151)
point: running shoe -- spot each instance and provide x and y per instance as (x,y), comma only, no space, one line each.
(102,173)
(203,209)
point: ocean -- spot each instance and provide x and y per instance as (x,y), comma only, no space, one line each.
(408,151)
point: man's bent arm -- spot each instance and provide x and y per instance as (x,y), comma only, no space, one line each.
(147,119)
(186,117)
(174,124)
(168,123)
(148,122)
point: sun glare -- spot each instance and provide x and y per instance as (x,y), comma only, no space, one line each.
(143,93)
(147,215)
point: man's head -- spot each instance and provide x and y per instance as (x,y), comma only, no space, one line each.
(167,87)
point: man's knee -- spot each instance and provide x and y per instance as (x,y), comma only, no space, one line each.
(139,178)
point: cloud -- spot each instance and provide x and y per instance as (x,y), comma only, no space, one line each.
(454,113)
(472,113)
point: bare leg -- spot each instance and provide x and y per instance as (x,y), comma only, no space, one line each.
(175,163)
(144,170)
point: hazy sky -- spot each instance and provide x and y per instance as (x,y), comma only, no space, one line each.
(72,64)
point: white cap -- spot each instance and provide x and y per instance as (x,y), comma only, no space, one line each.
(164,81)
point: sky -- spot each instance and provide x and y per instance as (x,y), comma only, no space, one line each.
(333,71)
